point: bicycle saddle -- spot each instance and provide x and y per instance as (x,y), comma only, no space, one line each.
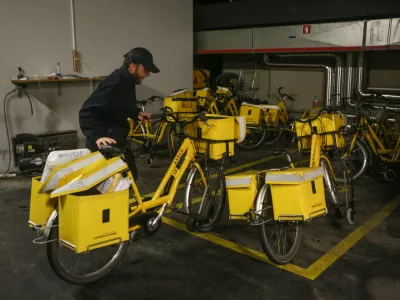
(110,151)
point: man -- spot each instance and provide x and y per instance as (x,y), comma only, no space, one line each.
(103,116)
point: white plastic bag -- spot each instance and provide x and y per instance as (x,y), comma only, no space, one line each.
(57,158)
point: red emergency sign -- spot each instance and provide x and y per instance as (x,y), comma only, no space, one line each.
(306,29)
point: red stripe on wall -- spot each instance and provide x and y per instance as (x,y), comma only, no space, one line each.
(225,51)
(307,49)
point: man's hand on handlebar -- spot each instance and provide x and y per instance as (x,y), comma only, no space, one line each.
(144,116)
(104,141)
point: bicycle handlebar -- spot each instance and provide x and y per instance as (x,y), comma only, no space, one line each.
(325,109)
(285,95)
(199,115)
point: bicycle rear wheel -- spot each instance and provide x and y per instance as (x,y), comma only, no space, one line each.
(279,240)
(174,139)
(81,273)
(207,203)
(255,136)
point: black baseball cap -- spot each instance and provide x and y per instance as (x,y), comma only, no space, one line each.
(142,56)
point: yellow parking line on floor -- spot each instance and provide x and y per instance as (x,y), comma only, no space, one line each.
(318,267)
(238,248)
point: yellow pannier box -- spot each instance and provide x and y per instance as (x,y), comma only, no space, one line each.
(204,97)
(182,102)
(326,124)
(220,138)
(271,114)
(297,194)
(200,78)
(90,222)
(253,113)
(242,191)
(41,205)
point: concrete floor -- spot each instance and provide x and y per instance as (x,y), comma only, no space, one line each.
(333,262)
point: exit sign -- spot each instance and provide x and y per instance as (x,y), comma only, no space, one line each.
(306,29)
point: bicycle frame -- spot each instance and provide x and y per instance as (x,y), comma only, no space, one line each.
(146,131)
(166,191)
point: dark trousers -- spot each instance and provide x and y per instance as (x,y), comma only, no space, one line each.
(130,161)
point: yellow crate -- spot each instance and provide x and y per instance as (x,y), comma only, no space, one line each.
(271,114)
(326,123)
(204,97)
(200,78)
(219,138)
(242,191)
(297,194)
(223,90)
(41,205)
(181,101)
(90,222)
(253,113)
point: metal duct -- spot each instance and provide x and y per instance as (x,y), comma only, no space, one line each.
(338,71)
(326,68)
(360,90)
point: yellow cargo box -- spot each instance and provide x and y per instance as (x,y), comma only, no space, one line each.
(181,102)
(90,222)
(220,138)
(253,113)
(328,125)
(41,205)
(242,191)
(297,194)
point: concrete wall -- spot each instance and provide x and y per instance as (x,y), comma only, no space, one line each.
(37,34)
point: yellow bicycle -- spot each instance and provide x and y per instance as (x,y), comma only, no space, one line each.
(280,201)
(91,205)
(385,157)
(265,122)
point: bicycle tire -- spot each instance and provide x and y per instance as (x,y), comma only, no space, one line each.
(266,243)
(67,275)
(172,148)
(244,146)
(357,172)
(217,214)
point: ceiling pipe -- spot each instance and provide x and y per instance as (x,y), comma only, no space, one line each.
(360,89)
(326,68)
(349,80)
(338,71)
(387,89)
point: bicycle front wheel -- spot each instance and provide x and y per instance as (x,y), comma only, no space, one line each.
(75,268)
(207,201)
(279,240)
(357,161)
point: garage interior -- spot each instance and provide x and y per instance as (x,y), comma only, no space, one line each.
(340,55)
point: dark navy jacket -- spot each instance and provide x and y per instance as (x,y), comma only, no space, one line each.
(105,112)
